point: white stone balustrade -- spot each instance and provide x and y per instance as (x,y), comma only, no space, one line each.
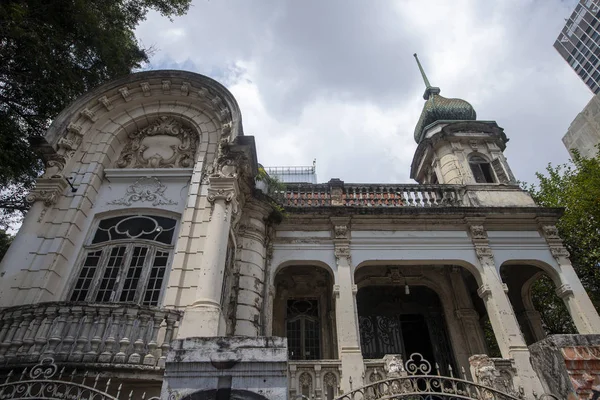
(336,193)
(87,333)
(385,195)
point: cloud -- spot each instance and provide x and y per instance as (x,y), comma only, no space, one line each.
(336,80)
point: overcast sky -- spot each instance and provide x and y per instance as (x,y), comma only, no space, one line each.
(336,80)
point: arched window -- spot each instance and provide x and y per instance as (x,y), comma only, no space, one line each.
(303,330)
(482,171)
(126,260)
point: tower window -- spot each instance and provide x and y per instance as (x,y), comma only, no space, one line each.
(127,260)
(482,171)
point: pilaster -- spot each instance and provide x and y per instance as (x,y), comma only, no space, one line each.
(502,317)
(344,293)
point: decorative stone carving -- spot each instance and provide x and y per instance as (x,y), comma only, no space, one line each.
(329,380)
(342,252)
(564,290)
(341,232)
(559,252)
(494,373)
(125,93)
(74,129)
(166,87)
(146,88)
(375,376)
(89,114)
(185,88)
(55,163)
(163,144)
(220,194)
(485,255)
(478,232)
(105,102)
(550,232)
(484,291)
(305,380)
(393,365)
(145,189)
(47,190)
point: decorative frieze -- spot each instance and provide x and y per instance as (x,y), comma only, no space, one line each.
(149,189)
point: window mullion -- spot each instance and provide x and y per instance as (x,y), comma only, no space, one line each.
(123,272)
(140,291)
(99,273)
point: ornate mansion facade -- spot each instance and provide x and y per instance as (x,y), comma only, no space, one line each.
(151,262)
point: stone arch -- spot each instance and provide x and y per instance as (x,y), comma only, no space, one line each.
(519,276)
(474,270)
(313,284)
(454,285)
(315,263)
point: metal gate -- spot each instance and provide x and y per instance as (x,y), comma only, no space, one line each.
(415,381)
(46,382)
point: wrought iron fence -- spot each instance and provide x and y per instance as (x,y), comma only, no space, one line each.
(46,381)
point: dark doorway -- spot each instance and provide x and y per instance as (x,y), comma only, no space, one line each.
(393,322)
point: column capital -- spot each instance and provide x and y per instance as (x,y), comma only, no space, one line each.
(47,190)
(484,291)
(564,291)
(342,252)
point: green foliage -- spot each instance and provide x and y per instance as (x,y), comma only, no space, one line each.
(275,189)
(5,241)
(576,187)
(51,52)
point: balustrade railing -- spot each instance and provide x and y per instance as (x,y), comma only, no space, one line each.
(383,196)
(315,379)
(88,333)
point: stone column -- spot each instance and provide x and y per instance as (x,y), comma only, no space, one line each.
(344,292)
(251,260)
(204,317)
(502,317)
(571,290)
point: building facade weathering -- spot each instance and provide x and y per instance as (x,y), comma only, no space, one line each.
(168,270)
(579,42)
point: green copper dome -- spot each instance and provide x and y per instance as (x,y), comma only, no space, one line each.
(439,108)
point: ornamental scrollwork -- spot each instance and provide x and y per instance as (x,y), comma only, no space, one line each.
(478,232)
(559,252)
(550,232)
(220,194)
(342,252)
(341,231)
(166,143)
(145,189)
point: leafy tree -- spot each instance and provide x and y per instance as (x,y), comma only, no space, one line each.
(576,187)
(51,52)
